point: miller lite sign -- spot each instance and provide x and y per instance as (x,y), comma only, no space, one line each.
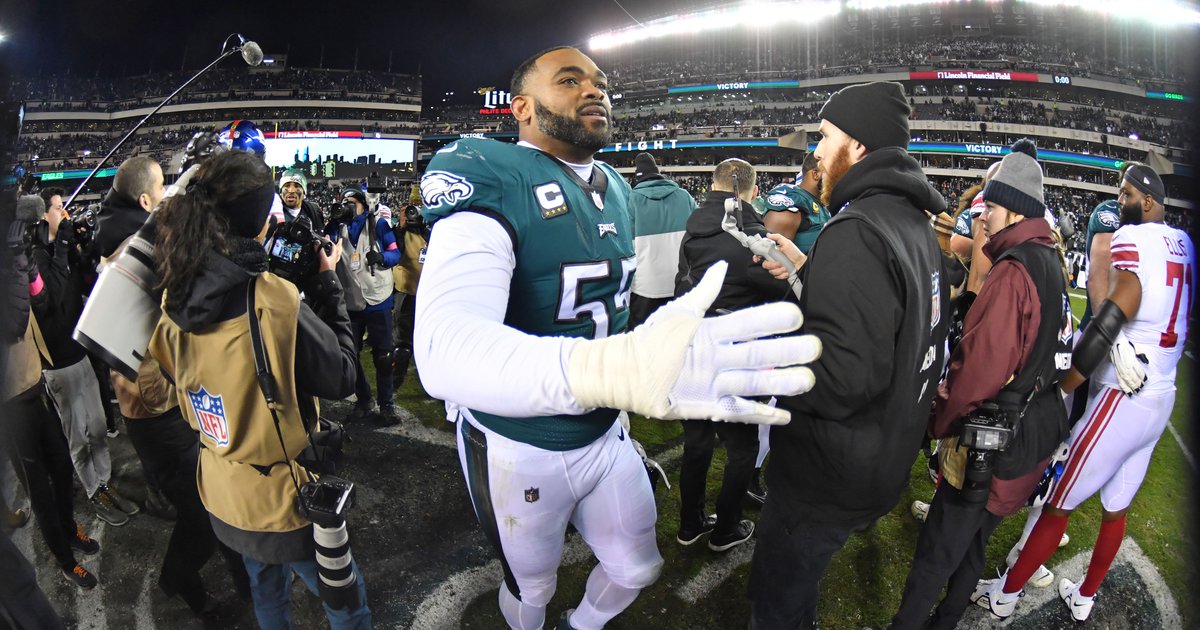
(210,415)
(495,101)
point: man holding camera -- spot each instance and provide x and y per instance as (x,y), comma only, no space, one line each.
(999,410)
(369,251)
(71,381)
(413,233)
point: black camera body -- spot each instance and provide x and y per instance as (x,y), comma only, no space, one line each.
(340,212)
(292,254)
(324,501)
(986,432)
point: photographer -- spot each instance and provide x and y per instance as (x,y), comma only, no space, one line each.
(212,266)
(71,383)
(999,409)
(369,250)
(27,423)
(413,232)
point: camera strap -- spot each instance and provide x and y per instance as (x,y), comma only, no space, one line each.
(266,382)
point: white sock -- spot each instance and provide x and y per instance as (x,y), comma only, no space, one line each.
(519,615)
(602,601)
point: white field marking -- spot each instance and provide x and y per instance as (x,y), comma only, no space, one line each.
(714,573)
(1187,454)
(143,616)
(410,427)
(1074,569)
(444,606)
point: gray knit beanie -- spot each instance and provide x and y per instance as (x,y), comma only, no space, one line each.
(1017,186)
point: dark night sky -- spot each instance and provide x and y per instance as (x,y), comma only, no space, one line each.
(457,45)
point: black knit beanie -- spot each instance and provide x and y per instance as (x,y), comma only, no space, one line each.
(644,165)
(875,114)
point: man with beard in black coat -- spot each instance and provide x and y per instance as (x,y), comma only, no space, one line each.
(875,296)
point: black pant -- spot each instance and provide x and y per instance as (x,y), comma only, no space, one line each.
(641,308)
(169,450)
(378,328)
(789,560)
(40,445)
(950,552)
(106,393)
(741,446)
(21,601)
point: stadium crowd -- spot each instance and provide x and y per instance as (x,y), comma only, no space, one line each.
(66,93)
(668,66)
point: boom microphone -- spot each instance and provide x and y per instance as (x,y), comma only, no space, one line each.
(251,52)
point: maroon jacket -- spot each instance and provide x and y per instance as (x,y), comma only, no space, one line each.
(998,337)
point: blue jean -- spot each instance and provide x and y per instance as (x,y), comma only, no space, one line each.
(270,584)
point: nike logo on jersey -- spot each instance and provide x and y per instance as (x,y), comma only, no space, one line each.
(607,228)
(621,434)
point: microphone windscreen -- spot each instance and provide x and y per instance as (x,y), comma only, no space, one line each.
(252,53)
(30,208)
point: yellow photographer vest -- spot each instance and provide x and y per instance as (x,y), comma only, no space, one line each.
(215,382)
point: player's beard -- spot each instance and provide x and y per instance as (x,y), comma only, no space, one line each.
(833,168)
(1131,214)
(571,130)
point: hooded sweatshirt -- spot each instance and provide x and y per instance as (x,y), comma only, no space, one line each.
(746,283)
(660,210)
(875,296)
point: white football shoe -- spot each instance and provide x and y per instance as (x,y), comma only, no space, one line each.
(989,595)
(919,510)
(1079,605)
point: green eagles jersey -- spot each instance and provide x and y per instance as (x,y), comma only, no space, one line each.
(1105,219)
(574,256)
(793,198)
(962,225)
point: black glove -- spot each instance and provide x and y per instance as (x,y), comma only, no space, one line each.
(66,235)
(374,258)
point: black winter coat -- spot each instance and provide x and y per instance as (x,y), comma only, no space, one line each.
(704,243)
(875,296)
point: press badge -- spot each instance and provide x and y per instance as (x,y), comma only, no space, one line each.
(355,261)
(421,256)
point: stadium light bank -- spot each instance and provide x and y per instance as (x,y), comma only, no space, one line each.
(811,12)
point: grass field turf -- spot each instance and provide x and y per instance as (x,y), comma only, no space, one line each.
(864,581)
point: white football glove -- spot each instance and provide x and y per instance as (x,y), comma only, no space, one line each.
(1131,375)
(679,365)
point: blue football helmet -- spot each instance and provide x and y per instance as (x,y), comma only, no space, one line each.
(243,135)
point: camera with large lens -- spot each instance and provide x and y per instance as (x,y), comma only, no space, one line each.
(340,212)
(292,252)
(414,221)
(324,502)
(986,432)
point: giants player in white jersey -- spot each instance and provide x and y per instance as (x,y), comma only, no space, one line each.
(1141,329)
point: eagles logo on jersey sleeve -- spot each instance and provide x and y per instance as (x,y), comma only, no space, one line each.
(781,199)
(460,176)
(1105,218)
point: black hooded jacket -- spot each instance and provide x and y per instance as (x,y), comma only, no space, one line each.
(325,357)
(120,216)
(704,243)
(63,269)
(875,296)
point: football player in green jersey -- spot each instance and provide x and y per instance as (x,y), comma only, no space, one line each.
(521,318)
(794,210)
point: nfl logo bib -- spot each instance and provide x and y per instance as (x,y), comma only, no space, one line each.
(210,415)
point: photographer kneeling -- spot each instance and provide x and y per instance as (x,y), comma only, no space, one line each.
(999,408)
(223,314)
